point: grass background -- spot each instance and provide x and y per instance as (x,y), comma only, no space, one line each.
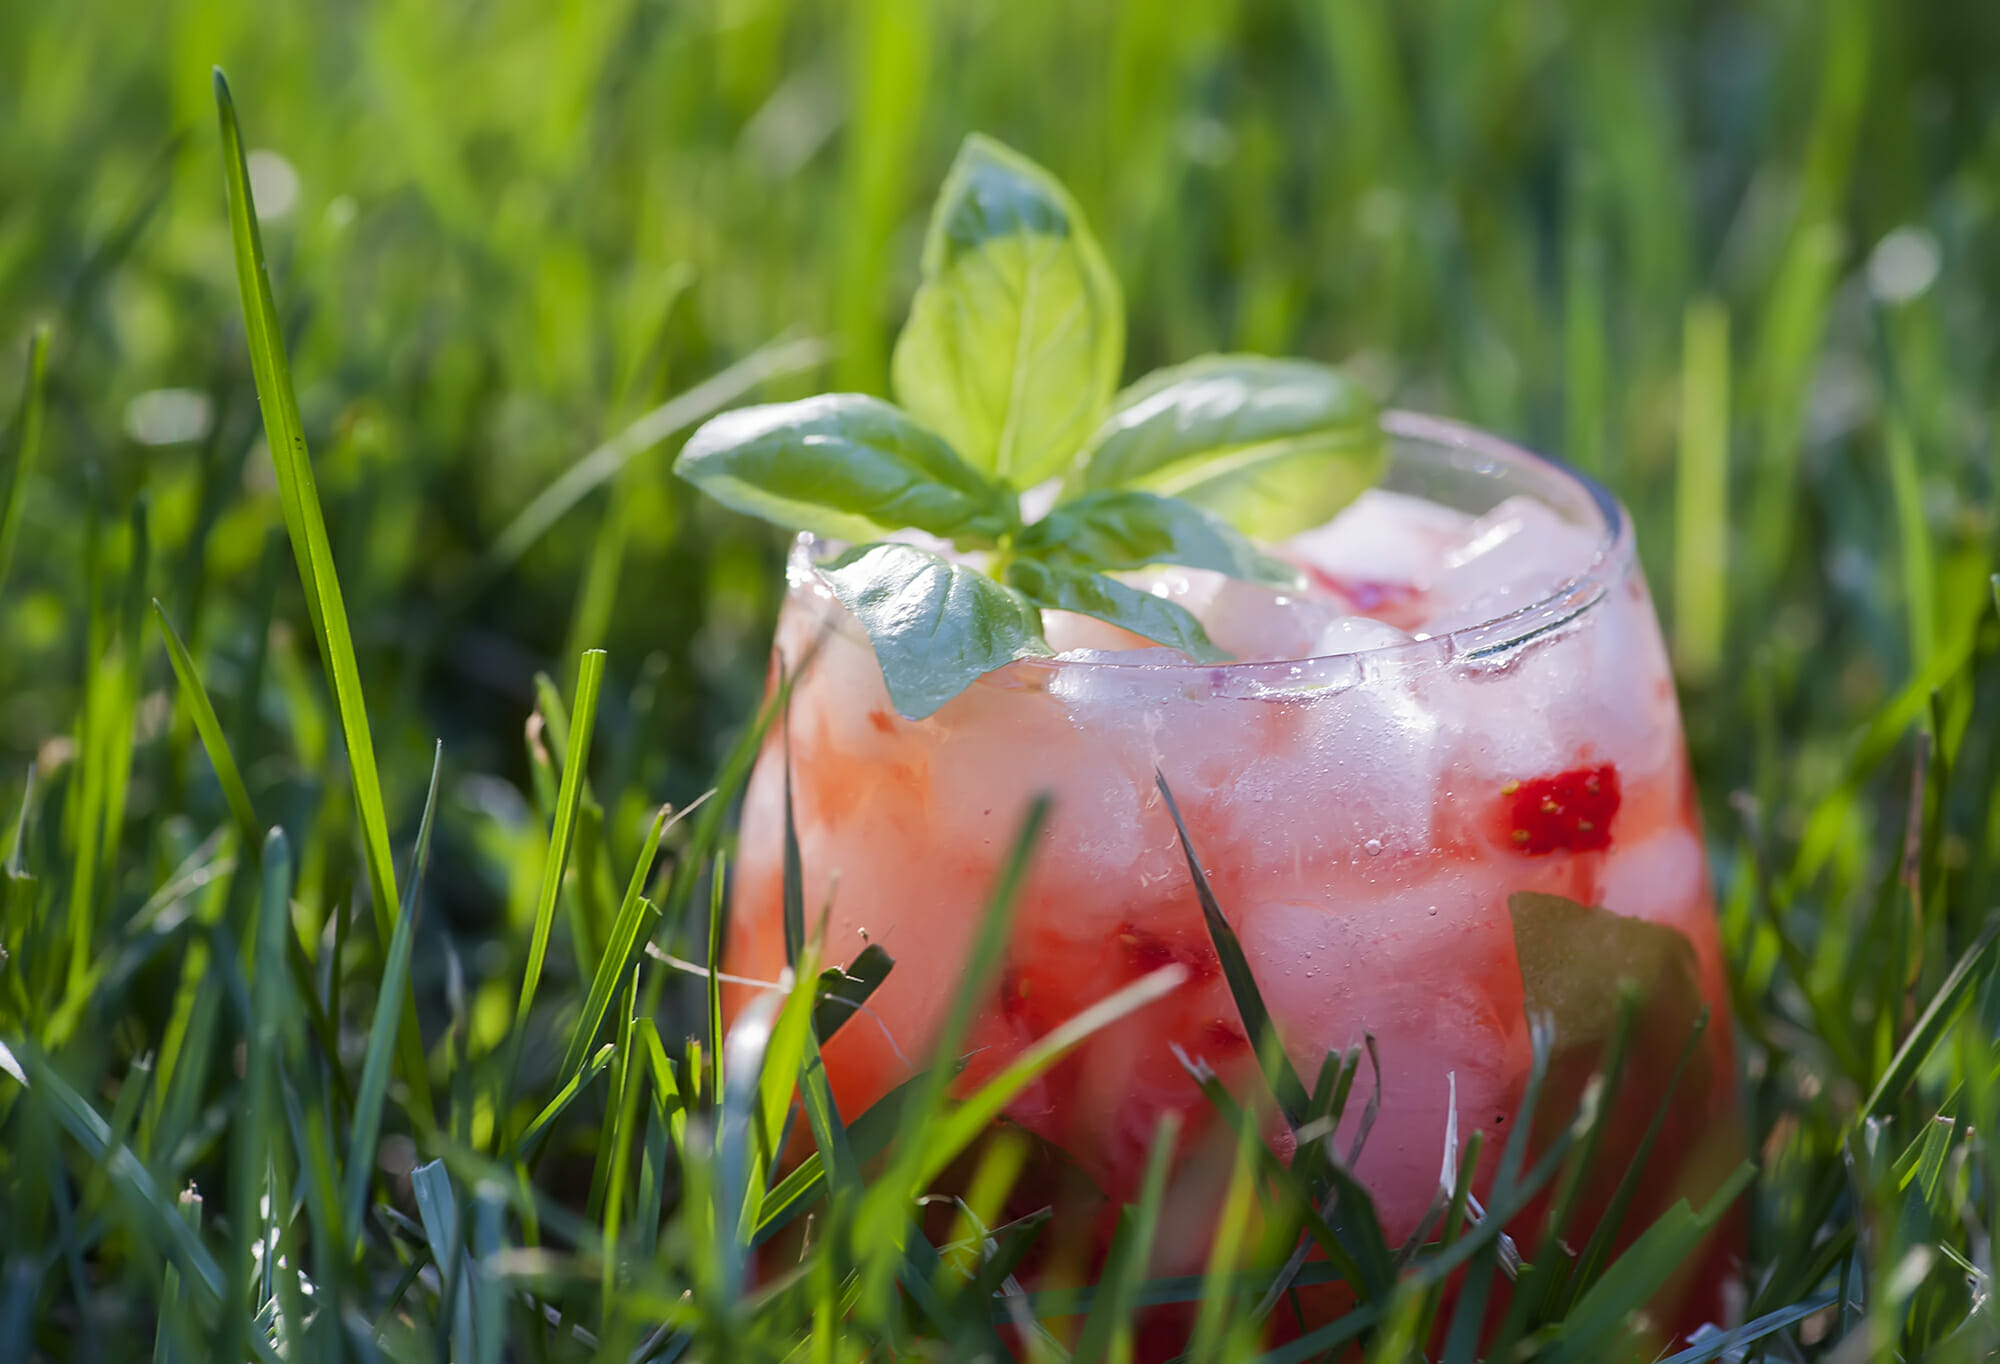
(1736,260)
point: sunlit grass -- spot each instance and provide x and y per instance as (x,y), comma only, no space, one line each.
(1737,263)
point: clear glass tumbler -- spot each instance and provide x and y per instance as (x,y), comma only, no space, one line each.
(1369,820)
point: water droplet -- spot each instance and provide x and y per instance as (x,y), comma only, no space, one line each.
(1374,847)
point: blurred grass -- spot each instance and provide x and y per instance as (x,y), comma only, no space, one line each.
(1738,259)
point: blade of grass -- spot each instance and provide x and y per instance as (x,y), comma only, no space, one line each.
(1214,1323)
(775,361)
(1750,1332)
(27,445)
(1489,1241)
(632,926)
(590,678)
(944,1140)
(437,1205)
(1342,1252)
(382,1032)
(236,795)
(209,727)
(1589,1328)
(844,991)
(299,494)
(1932,1026)
(982,969)
(735,1157)
(253,1153)
(1278,1072)
(622,1120)
(794,894)
(718,882)
(175,1239)
(1701,510)
(1107,1333)
(538,1127)
(867,1137)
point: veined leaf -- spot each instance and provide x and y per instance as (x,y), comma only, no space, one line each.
(844,465)
(937,626)
(1575,960)
(1273,446)
(1107,599)
(1017,333)
(1121,528)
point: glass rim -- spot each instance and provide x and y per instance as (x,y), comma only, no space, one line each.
(1485,639)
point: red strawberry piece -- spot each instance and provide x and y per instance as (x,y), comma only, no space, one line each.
(1145,952)
(1568,812)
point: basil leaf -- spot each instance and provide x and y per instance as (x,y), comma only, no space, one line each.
(1093,594)
(1576,961)
(1017,331)
(937,626)
(1125,528)
(847,466)
(1273,446)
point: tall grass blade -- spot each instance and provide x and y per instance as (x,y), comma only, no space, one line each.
(957,1130)
(1278,1073)
(1701,509)
(1107,1333)
(128,1174)
(437,1205)
(27,445)
(1931,1027)
(195,696)
(629,930)
(735,1139)
(284,430)
(254,1155)
(369,1096)
(601,465)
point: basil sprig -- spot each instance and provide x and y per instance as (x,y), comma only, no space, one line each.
(1005,377)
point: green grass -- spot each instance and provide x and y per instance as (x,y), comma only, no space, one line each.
(1738,261)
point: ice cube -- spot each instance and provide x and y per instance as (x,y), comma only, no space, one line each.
(1257,624)
(1355,635)
(1598,689)
(1663,878)
(1068,631)
(1429,970)
(1310,786)
(1517,554)
(1383,537)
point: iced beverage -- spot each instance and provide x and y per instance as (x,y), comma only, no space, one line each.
(1468,700)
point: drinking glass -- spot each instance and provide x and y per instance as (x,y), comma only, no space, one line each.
(1387,829)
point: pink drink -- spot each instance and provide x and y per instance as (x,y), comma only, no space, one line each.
(1470,700)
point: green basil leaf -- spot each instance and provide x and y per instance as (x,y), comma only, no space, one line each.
(1124,528)
(847,466)
(1093,594)
(937,626)
(1576,960)
(1017,332)
(1576,964)
(1273,446)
